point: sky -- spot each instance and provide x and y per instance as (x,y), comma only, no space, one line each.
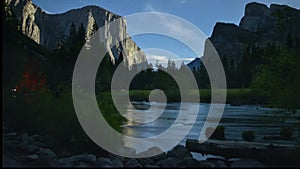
(204,14)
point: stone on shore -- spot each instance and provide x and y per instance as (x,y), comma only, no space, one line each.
(103,162)
(168,162)
(133,163)
(46,154)
(244,162)
(180,152)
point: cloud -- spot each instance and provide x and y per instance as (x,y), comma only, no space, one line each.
(183,1)
(82,1)
(48,12)
(163,60)
(149,7)
(168,25)
(182,30)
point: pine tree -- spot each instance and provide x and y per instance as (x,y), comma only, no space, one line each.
(81,34)
(73,34)
(95,28)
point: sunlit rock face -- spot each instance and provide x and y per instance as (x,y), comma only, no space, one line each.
(260,27)
(50,30)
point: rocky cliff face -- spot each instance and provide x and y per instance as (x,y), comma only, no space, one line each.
(51,30)
(195,64)
(260,27)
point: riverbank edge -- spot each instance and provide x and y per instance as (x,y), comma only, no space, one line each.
(243,96)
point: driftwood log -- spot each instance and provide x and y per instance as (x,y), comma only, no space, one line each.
(242,149)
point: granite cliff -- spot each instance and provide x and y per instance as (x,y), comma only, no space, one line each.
(260,27)
(51,30)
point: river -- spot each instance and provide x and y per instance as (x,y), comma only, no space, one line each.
(236,119)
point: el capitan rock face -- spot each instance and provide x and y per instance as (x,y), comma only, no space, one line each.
(260,27)
(50,30)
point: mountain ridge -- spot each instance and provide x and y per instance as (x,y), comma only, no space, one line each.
(260,27)
(51,30)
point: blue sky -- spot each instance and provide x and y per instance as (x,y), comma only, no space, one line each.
(202,13)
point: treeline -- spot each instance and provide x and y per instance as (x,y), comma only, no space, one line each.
(274,73)
(272,70)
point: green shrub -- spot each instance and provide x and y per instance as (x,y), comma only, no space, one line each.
(218,133)
(248,136)
(286,132)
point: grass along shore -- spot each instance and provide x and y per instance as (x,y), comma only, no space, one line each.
(233,96)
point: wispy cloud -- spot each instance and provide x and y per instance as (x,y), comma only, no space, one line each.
(149,7)
(183,1)
(82,1)
(182,29)
(48,12)
(169,26)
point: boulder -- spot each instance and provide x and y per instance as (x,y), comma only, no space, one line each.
(83,164)
(218,162)
(63,162)
(168,162)
(46,154)
(206,164)
(133,163)
(189,162)
(39,144)
(127,151)
(221,164)
(179,151)
(155,150)
(247,163)
(26,139)
(32,148)
(151,166)
(113,156)
(103,162)
(145,161)
(117,163)
(91,158)
(150,152)
(11,135)
(32,157)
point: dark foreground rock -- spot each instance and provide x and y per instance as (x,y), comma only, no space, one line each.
(24,150)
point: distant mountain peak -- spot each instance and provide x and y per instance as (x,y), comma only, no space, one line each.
(261,26)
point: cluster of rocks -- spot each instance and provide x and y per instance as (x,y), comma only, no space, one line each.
(34,150)
(178,157)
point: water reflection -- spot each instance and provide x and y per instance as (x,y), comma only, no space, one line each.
(235,119)
(171,126)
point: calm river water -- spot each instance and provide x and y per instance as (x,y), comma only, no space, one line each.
(236,119)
